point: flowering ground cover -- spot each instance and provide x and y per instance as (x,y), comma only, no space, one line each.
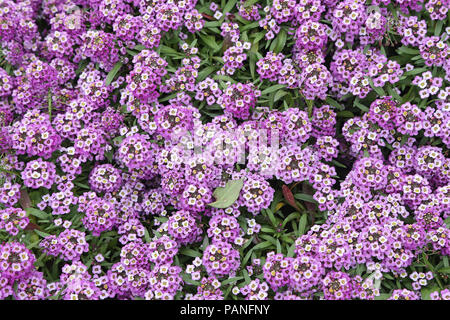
(172,149)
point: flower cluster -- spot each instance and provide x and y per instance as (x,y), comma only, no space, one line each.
(16,261)
(69,244)
(238,99)
(39,173)
(220,259)
(12,220)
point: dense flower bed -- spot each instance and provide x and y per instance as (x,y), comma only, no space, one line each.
(241,149)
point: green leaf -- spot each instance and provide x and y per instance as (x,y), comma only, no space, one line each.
(249,3)
(49,101)
(188,279)
(418,57)
(408,96)
(205,72)
(394,94)
(269,238)
(271,216)
(223,77)
(291,251)
(247,257)
(210,42)
(438,28)
(278,246)
(280,41)
(139,47)
(249,26)
(42,234)
(231,280)
(447,222)
(258,37)
(444,270)
(338,164)
(290,217)
(37,213)
(132,53)
(113,72)
(360,106)
(302,225)
(212,24)
(246,244)
(345,114)
(359,269)
(109,155)
(388,276)
(407,50)
(230,5)
(262,245)
(146,236)
(378,90)
(305,197)
(82,185)
(366,48)
(272,89)
(426,291)
(118,139)
(383,296)
(252,62)
(414,71)
(246,276)
(334,103)
(227,195)
(190,253)
(168,50)
(279,95)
